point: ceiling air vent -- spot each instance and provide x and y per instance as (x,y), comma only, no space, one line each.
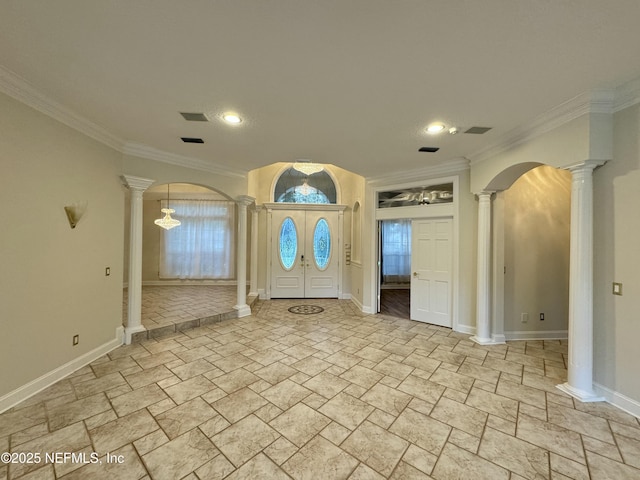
(194,117)
(478,130)
(429,149)
(192,140)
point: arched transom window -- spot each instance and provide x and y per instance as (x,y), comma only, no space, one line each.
(296,187)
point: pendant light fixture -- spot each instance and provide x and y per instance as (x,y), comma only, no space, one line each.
(308,168)
(167,222)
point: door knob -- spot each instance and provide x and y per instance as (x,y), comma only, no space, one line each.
(415,274)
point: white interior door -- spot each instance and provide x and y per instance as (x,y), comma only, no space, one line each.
(305,254)
(431,265)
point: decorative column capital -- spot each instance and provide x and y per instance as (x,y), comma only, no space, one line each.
(136,183)
(245,200)
(586,166)
(257,208)
(486,194)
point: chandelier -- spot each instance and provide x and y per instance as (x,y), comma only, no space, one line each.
(308,168)
(167,222)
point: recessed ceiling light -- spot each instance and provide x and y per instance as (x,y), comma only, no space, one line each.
(232,118)
(454,130)
(435,128)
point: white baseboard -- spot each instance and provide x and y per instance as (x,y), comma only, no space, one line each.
(468,329)
(541,335)
(261,294)
(357,303)
(35,386)
(368,310)
(346,296)
(621,401)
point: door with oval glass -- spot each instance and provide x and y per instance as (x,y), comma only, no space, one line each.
(304,254)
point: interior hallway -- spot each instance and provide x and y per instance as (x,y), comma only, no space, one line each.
(333,395)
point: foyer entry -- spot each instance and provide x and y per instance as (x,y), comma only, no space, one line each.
(305,248)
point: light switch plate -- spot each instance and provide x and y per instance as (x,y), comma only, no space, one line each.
(617,288)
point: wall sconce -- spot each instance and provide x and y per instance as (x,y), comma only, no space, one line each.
(75,212)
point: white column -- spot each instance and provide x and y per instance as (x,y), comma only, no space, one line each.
(483,285)
(253,280)
(243,202)
(580,369)
(136,187)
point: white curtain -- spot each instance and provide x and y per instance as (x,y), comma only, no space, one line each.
(396,251)
(203,246)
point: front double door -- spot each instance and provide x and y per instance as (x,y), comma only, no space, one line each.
(305,254)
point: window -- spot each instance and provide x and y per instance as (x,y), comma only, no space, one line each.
(203,247)
(322,244)
(288,243)
(295,187)
(396,251)
(426,195)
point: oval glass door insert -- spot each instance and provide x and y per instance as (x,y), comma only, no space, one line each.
(322,244)
(288,243)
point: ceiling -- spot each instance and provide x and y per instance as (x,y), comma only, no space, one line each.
(348,82)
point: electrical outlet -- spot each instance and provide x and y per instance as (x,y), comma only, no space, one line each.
(107,271)
(542,317)
(524,317)
(76,340)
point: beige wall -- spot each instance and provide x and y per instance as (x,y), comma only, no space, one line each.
(537,215)
(468,241)
(163,173)
(617,259)
(52,278)
(586,137)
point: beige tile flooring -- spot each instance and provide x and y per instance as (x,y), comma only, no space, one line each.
(334,395)
(166,305)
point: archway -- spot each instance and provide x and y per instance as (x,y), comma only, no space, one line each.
(580,318)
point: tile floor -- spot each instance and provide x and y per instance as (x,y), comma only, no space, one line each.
(329,396)
(167,305)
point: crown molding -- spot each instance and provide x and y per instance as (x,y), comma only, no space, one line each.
(597,101)
(21,90)
(451,167)
(627,95)
(144,151)
(18,88)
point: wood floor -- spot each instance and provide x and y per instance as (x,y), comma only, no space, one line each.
(395,302)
